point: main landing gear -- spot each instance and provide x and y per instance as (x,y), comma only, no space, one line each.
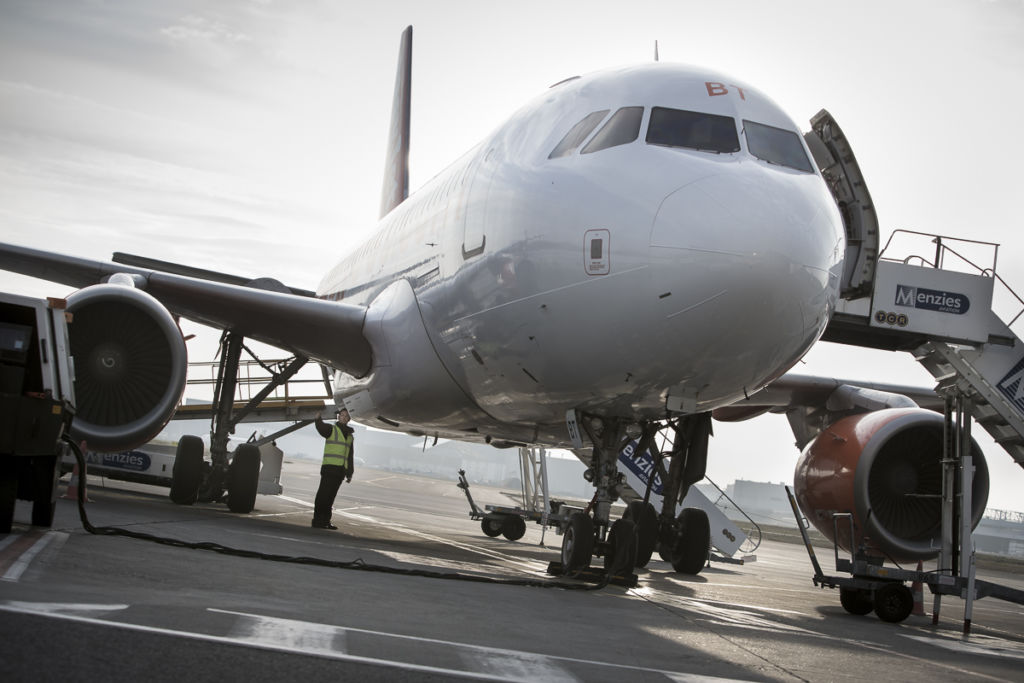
(629,542)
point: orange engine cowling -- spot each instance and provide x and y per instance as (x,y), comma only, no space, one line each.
(884,467)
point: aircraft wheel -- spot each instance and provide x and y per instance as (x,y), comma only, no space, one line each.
(621,555)
(44,473)
(856,601)
(894,602)
(8,492)
(187,473)
(577,543)
(692,545)
(513,527)
(491,527)
(243,478)
(646,520)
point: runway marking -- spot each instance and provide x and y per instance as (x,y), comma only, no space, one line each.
(529,567)
(531,663)
(975,645)
(516,665)
(57,608)
(23,550)
(297,635)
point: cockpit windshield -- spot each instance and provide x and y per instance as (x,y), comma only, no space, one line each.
(692,130)
(776,146)
(622,128)
(577,134)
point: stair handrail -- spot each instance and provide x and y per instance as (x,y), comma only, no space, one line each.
(942,247)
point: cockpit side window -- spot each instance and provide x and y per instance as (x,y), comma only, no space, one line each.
(692,130)
(776,146)
(577,134)
(622,128)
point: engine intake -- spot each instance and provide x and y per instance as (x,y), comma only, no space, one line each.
(130,366)
(884,467)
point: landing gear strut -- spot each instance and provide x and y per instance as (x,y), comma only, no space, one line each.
(684,541)
(234,480)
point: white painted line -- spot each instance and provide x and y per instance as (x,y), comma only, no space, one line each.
(22,563)
(532,666)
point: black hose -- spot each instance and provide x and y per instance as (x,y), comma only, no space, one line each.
(357,564)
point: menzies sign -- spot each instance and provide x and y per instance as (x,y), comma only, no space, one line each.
(943,304)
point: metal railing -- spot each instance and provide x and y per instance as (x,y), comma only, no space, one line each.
(943,250)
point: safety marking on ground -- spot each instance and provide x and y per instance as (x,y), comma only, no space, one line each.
(16,557)
(527,566)
(973,645)
(487,662)
(288,633)
(57,608)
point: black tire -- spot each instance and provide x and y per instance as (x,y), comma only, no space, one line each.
(491,526)
(513,527)
(693,543)
(577,543)
(856,601)
(620,557)
(646,520)
(8,492)
(243,478)
(894,602)
(187,473)
(44,489)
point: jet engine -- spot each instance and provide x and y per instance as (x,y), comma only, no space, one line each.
(884,467)
(130,365)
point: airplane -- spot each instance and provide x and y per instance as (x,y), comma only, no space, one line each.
(633,251)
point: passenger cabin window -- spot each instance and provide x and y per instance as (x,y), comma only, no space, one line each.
(622,128)
(692,130)
(776,146)
(577,134)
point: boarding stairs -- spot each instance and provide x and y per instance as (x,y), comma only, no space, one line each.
(946,319)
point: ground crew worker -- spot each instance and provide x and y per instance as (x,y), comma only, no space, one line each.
(338,464)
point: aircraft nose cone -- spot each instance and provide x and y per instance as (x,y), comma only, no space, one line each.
(758,212)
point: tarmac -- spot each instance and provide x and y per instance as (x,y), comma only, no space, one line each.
(409,588)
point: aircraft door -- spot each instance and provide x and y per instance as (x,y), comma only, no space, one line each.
(473,238)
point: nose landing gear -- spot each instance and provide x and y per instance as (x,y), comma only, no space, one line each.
(629,542)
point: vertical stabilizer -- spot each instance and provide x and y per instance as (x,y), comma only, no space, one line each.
(396,164)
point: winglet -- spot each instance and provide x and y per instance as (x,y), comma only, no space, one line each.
(396,164)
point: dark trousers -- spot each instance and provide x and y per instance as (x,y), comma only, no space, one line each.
(331,477)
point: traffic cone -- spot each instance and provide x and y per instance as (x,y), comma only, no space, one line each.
(72,491)
(918,590)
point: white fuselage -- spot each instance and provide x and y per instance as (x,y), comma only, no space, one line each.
(641,278)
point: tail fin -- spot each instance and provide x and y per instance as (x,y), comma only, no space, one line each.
(396,164)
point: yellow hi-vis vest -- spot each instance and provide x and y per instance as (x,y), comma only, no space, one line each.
(337,448)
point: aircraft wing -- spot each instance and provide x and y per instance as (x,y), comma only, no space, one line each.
(811,402)
(327,331)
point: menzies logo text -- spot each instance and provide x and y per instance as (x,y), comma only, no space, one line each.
(932,299)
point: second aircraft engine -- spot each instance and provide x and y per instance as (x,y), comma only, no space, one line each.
(130,366)
(884,467)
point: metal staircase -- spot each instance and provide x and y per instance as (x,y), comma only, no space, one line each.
(945,318)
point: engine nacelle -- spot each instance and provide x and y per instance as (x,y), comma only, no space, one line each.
(130,366)
(884,467)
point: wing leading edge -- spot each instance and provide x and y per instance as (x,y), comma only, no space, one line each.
(327,331)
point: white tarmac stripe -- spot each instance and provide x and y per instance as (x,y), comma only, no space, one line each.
(229,640)
(514,664)
(501,664)
(22,563)
(530,567)
(301,636)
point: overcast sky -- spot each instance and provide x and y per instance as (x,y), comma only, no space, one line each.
(248,136)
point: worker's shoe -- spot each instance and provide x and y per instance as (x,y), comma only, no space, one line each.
(322,525)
